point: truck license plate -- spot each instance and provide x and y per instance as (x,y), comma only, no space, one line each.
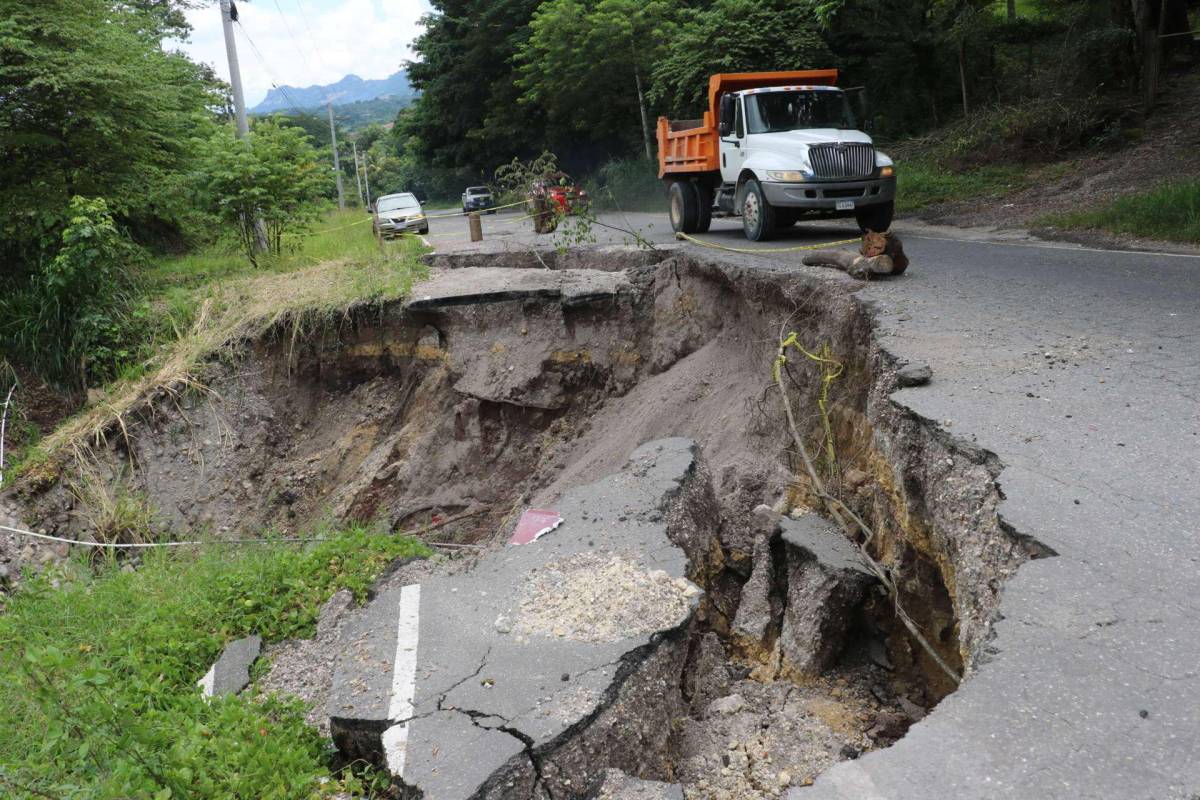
(845,205)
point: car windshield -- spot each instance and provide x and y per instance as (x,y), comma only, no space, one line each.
(772,112)
(397,203)
(477,190)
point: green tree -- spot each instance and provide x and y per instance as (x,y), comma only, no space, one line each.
(736,36)
(468,116)
(90,105)
(273,175)
(586,63)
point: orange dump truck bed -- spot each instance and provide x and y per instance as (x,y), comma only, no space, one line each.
(686,146)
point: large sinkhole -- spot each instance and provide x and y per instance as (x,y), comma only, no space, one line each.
(507,383)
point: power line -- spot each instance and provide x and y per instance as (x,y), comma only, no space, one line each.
(274,82)
(312,37)
(287,27)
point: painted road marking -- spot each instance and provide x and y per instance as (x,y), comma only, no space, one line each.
(1066,247)
(404,678)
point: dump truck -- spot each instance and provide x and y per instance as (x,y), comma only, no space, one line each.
(774,148)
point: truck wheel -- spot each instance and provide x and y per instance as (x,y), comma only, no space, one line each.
(685,207)
(875,218)
(758,216)
(704,207)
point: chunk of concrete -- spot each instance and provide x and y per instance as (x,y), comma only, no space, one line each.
(595,634)
(826,582)
(619,786)
(914,375)
(752,623)
(231,672)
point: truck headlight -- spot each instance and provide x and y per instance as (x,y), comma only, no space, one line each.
(788,175)
(887,172)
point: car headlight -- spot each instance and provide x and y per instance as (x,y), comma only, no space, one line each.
(788,175)
(887,172)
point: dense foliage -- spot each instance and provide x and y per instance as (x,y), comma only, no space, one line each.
(99,676)
(111,145)
(511,78)
(272,178)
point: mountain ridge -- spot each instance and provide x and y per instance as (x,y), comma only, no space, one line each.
(350,89)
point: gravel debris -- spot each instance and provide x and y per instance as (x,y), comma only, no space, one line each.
(594,597)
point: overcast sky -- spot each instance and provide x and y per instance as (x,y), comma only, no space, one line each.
(307,42)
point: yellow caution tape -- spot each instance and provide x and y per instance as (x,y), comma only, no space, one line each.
(331,230)
(753,251)
(466,213)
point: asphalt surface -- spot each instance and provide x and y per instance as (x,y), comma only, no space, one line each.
(473,674)
(1080,369)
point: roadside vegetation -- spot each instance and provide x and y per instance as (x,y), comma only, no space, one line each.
(1170,212)
(98,671)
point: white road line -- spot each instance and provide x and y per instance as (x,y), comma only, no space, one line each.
(1063,247)
(208,682)
(404,678)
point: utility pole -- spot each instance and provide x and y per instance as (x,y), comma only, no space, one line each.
(366,180)
(239,102)
(337,167)
(357,180)
(235,73)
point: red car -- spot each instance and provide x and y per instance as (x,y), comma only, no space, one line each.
(555,193)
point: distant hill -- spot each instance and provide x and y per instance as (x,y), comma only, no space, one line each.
(350,89)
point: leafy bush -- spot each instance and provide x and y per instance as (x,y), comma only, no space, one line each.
(76,318)
(271,176)
(98,677)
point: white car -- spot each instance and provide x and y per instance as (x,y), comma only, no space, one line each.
(397,214)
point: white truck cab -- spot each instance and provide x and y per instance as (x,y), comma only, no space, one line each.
(793,152)
(774,148)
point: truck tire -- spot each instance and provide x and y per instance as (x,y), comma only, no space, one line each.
(704,207)
(685,207)
(758,215)
(875,218)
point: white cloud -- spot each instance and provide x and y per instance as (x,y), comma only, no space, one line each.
(369,38)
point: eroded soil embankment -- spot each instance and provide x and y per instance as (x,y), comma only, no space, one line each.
(466,403)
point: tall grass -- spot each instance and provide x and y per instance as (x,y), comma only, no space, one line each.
(97,677)
(1170,212)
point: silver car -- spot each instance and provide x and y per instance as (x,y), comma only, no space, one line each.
(396,214)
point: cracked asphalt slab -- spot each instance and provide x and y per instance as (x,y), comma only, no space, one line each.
(486,691)
(1080,369)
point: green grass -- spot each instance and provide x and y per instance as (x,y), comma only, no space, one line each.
(1170,212)
(340,235)
(97,678)
(921,184)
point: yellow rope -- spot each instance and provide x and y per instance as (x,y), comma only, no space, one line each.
(831,370)
(331,230)
(715,246)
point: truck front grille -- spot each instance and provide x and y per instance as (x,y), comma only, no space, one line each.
(842,160)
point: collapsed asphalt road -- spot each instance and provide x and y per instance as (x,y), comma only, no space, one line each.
(1080,370)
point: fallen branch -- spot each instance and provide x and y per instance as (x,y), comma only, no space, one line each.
(849,521)
(851,263)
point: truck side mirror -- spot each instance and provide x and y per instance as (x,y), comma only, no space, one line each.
(727,114)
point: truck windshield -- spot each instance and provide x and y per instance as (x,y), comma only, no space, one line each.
(772,112)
